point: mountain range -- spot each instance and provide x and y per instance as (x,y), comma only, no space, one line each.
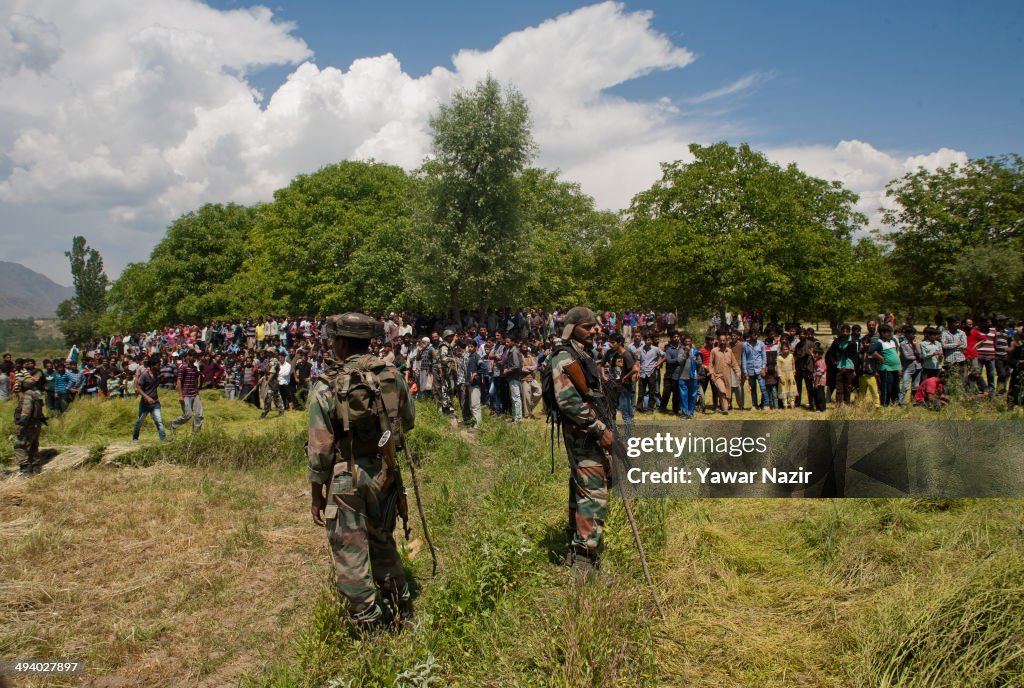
(25,293)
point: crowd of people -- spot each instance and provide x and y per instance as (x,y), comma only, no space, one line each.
(494,363)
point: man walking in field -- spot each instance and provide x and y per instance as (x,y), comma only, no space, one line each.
(188,383)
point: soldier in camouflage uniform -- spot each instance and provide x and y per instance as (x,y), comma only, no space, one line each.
(586,438)
(360,506)
(443,372)
(29,419)
(272,393)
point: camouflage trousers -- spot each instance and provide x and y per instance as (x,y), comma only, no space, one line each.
(26,446)
(360,529)
(272,395)
(443,391)
(588,493)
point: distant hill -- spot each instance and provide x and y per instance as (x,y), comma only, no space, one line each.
(25,293)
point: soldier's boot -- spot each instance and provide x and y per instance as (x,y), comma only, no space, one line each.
(371,619)
(582,564)
(21,455)
(397,600)
(405,605)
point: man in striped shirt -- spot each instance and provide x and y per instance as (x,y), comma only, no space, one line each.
(187,384)
(986,348)
(954,342)
(1002,347)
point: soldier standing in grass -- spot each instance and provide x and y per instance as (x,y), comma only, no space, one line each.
(586,438)
(28,419)
(356,398)
(272,389)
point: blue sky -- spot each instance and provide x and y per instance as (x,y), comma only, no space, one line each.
(118,116)
(907,76)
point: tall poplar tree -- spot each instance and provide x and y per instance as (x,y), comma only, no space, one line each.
(471,236)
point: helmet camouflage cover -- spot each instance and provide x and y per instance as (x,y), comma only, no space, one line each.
(354,326)
(580,315)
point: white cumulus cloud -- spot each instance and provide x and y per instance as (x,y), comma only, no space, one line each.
(862,168)
(117,116)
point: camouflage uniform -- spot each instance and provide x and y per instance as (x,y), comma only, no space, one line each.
(362,499)
(444,364)
(273,390)
(588,468)
(29,418)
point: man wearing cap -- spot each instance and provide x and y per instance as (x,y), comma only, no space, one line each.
(358,512)
(586,438)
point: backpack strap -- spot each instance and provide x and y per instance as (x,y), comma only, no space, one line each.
(372,382)
(343,387)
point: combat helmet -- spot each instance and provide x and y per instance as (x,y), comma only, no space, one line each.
(354,326)
(577,316)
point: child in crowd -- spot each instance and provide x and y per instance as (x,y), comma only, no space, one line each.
(820,379)
(786,370)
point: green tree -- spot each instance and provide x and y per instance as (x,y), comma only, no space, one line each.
(988,278)
(79,316)
(944,214)
(567,240)
(470,235)
(734,229)
(330,241)
(184,277)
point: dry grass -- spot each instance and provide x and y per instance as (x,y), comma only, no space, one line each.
(163,575)
(201,568)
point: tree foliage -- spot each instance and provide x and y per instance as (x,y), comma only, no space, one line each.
(567,242)
(946,214)
(987,279)
(79,316)
(182,280)
(470,234)
(733,228)
(330,241)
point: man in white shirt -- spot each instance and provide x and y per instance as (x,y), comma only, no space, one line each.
(284,381)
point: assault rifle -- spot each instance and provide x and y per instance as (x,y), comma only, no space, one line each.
(398,496)
(387,449)
(601,401)
(605,411)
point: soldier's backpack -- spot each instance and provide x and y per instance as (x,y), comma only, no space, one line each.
(360,410)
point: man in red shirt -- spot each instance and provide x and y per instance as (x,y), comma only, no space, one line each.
(974,335)
(932,392)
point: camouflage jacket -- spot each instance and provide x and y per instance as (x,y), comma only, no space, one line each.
(326,444)
(29,409)
(571,405)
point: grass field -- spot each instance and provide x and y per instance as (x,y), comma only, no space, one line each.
(196,563)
